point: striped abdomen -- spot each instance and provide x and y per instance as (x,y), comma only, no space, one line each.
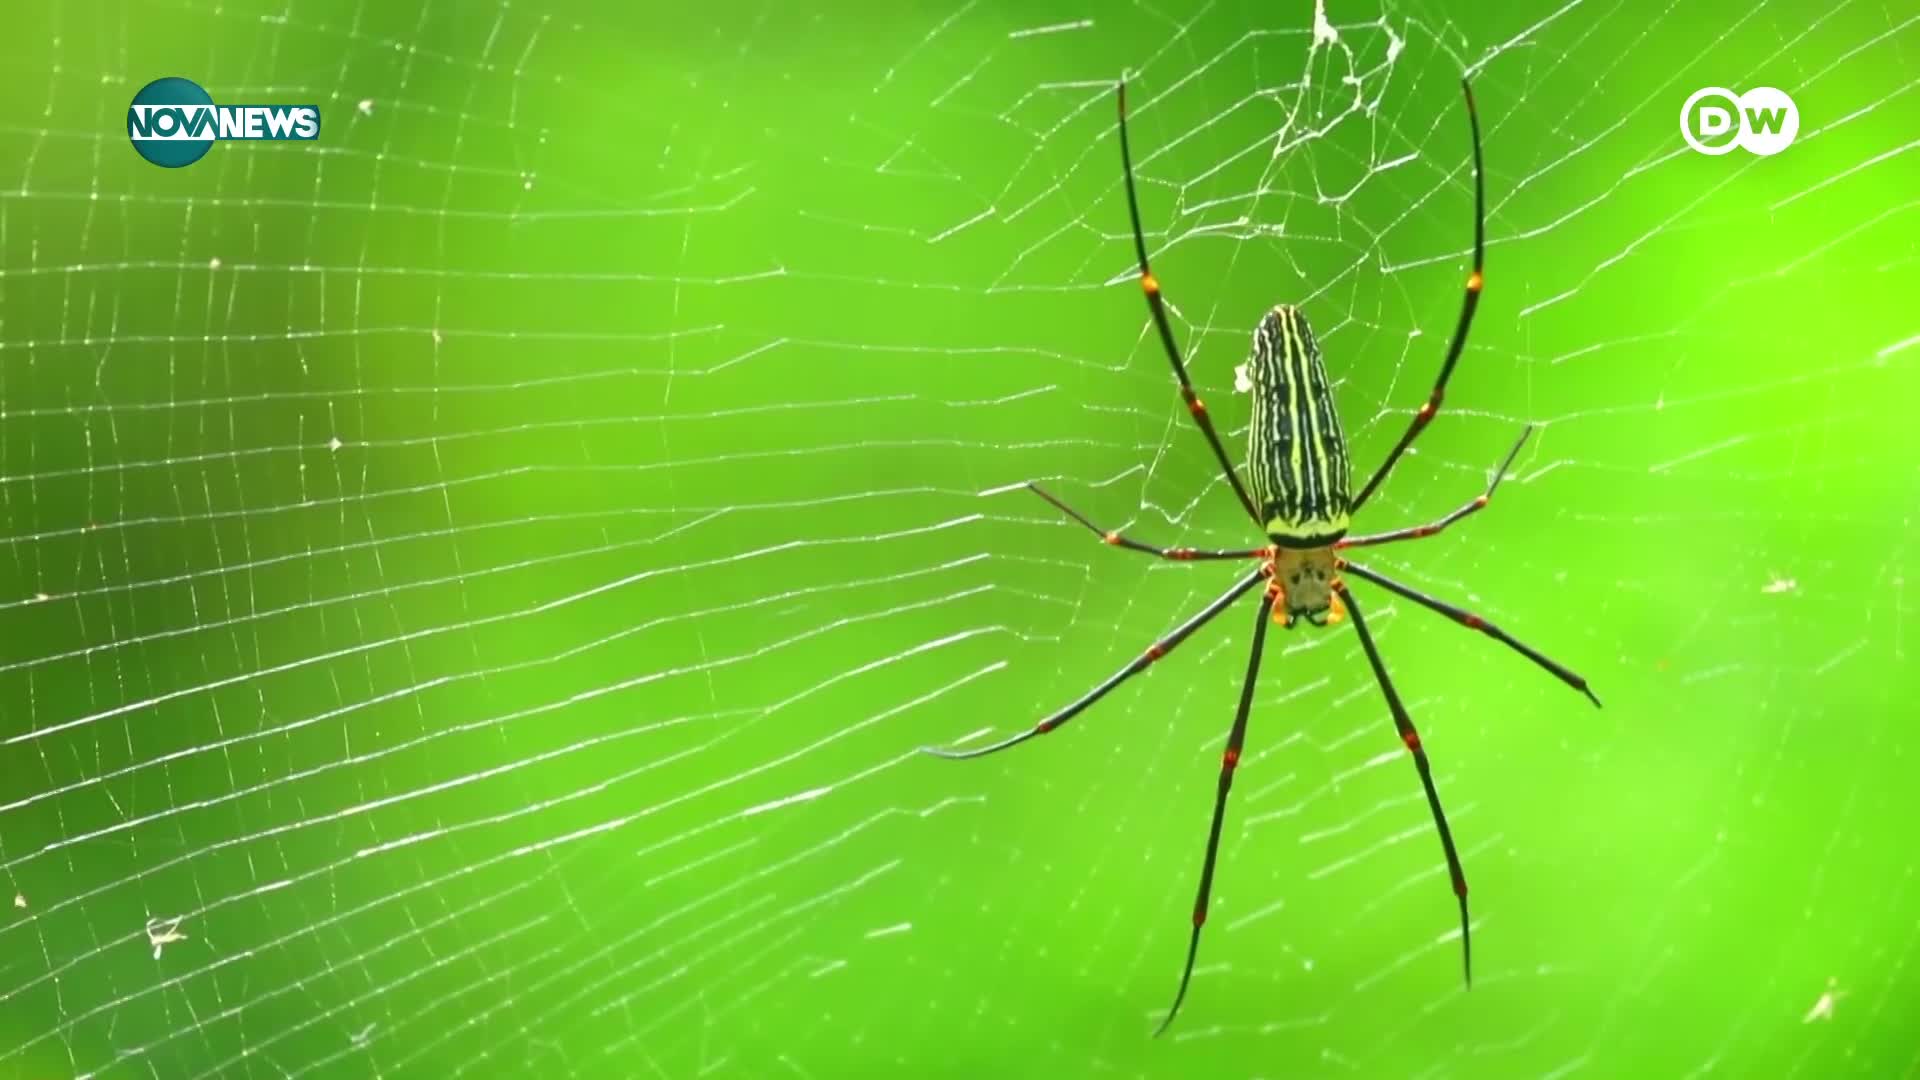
(1296,452)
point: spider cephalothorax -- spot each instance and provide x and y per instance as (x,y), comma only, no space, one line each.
(1304,583)
(1299,494)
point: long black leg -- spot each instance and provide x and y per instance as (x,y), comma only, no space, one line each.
(1158,306)
(1417,532)
(1139,664)
(1120,539)
(1411,738)
(1229,761)
(1467,307)
(1469,619)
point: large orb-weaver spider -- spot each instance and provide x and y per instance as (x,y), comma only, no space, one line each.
(1300,476)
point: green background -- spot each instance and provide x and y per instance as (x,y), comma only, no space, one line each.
(485,574)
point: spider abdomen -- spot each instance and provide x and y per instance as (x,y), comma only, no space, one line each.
(1296,452)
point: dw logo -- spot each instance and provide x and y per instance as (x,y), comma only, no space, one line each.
(172,122)
(1763,120)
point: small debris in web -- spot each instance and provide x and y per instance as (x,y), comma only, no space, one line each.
(1777,584)
(164,932)
(20,901)
(1823,1008)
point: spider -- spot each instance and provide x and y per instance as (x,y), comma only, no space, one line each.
(1297,492)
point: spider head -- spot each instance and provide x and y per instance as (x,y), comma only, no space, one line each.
(1303,582)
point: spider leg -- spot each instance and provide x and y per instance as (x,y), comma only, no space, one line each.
(1158,306)
(1229,761)
(1411,738)
(1468,304)
(1417,532)
(1120,539)
(1139,664)
(1469,619)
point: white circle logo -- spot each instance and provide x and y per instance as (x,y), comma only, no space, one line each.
(1763,121)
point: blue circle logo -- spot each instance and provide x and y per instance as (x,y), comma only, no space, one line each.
(171,123)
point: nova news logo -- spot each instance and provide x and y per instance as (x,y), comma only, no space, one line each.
(173,122)
(1762,121)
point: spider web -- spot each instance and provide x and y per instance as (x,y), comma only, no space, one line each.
(475,585)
